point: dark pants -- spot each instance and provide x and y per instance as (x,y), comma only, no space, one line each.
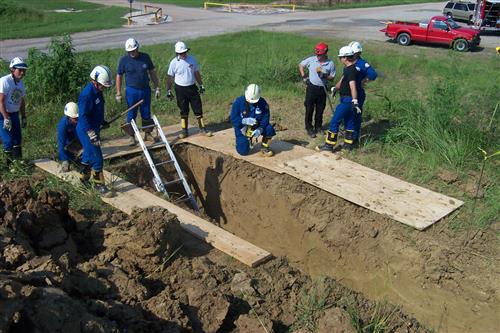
(315,99)
(186,96)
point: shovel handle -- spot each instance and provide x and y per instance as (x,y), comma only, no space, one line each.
(125,112)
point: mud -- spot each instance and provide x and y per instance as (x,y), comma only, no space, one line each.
(447,280)
(63,271)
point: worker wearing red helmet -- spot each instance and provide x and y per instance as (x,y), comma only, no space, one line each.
(320,69)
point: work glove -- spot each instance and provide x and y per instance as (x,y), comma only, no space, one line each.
(24,122)
(157,93)
(105,124)
(249,121)
(169,94)
(355,106)
(118,98)
(256,133)
(94,139)
(65,166)
(202,89)
(7,124)
(334,91)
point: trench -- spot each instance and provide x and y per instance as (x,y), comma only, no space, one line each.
(324,235)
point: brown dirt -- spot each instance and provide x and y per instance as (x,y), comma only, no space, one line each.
(447,280)
(61,271)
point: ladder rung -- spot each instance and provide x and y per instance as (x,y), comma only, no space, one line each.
(156,144)
(173,181)
(148,126)
(182,199)
(164,162)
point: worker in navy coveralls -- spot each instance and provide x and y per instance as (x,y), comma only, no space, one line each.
(348,103)
(137,68)
(250,119)
(365,73)
(66,134)
(90,121)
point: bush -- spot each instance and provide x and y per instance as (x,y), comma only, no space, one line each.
(56,76)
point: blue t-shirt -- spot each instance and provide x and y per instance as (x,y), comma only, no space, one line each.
(136,70)
(364,71)
(314,66)
(90,109)
(259,111)
(66,133)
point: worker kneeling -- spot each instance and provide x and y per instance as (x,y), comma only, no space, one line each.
(250,119)
(66,136)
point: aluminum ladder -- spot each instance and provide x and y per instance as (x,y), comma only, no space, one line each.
(160,185)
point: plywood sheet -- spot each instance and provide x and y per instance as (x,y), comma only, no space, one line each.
(128,196)
(402,201)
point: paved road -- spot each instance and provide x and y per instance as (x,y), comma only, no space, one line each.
(187,23)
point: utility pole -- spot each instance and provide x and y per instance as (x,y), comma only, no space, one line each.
(130,7)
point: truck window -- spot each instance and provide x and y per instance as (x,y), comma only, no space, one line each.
(452,23)
(440,25)
(449,5)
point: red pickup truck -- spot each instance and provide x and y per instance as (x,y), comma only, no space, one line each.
(439,30)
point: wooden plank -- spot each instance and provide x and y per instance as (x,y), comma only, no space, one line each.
(402,201)
(128,196)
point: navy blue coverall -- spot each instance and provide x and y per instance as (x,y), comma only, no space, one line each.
(364,71)
(66,133)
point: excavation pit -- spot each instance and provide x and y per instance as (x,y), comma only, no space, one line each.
(324,235)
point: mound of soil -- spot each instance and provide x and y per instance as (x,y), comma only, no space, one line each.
(63,272)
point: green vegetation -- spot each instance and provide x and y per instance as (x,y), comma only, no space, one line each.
(430,110)
(34,18)
(380,321)
(312,303)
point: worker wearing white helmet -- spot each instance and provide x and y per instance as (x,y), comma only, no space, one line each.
(250,118)
(137,68)
(348,103)
(12,93)
(66,134)
(90,122)
(366,73)
(184,71)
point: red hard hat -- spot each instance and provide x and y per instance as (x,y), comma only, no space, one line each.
(321,48)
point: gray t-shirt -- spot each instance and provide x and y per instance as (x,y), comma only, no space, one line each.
(313,65)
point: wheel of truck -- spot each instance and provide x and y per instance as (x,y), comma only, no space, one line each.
(403,39)
(461,45)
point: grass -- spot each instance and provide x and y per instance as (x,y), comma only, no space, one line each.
(34,18)
(380,321)
(428,96)
(311,304)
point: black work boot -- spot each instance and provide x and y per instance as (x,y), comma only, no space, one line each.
(311,133)
(99,183)
(17,153)
(201,126)
(184,127)
(8,157)
(325,147)
(85,173)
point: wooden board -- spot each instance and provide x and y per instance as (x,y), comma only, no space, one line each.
(402,201)
(128,196)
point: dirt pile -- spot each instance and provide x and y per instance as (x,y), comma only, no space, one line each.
(63,272)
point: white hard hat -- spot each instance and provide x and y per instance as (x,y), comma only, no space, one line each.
(131,45)
(346,51)
(71,110)
(252,93)
(102,74)
(356,46)
(180,47)
(18,62)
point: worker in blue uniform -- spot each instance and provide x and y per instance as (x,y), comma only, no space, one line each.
(348,103)
(250,119)
(365,73)
(90,121)
(66,134)
(137,68)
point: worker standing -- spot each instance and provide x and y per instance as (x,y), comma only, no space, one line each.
(348,103)
(320,71)
(12,93)
(365,73)
(66,134)
(90,121)
(250,118)
(137,68)
(184,71)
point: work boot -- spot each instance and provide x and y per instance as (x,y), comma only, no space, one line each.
(311,133)
(319,130)
(132,141)
(325,147)
(205,132)
(266,152)
(8,157)
(85,173)
(148,136)
(99,184)
(184,134)
(17,152)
